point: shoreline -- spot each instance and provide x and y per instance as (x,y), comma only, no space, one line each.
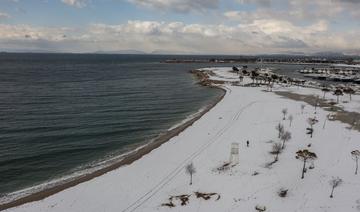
(158,182)
(128,159)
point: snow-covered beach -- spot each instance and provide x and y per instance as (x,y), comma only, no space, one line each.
(244,114)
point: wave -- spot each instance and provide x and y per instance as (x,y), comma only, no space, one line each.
(91,167)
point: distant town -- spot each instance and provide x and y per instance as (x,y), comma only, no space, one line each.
(342,59)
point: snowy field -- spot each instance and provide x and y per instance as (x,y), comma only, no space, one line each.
(245,113)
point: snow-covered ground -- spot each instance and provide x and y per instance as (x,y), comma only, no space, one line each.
(346,65)
(245,113)
(345,103)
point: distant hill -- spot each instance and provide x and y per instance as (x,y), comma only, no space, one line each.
(126,51)
(168,52)
(329,54)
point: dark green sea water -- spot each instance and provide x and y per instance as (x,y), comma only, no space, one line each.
(63,113)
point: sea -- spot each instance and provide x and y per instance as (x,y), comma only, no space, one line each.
(63,115)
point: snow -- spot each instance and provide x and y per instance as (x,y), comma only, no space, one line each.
(345,103)
(346,65)
(245,113)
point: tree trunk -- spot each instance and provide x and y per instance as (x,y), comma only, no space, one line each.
(357,165)
(324,123)
(277,156)
(190,179)
(332,192)
(350,97)
(303,170)
(283,145)
(324,96)
(337,99)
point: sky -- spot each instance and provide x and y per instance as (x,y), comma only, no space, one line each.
(181,26)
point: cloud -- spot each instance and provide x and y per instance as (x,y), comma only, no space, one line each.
(181,6)
(263,3)
(298,11)
(75,3)
(4,16)
(259,36)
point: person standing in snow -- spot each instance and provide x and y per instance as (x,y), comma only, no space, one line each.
(247,143)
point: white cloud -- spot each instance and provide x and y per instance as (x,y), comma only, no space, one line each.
(182,6)
(309,10)
(4,15)
(264,3)
(75,3)
(260,36)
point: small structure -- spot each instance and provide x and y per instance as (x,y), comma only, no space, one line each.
(234,153)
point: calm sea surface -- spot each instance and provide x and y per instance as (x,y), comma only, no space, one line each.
(64,113)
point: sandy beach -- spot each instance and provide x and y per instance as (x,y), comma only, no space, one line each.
(154,175)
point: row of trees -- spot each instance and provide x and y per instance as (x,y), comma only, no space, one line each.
(339,91)
(262,78)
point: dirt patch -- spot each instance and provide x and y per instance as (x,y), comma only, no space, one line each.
(184,199)
(224,167)
(207,196)
(170,205)
(350,118)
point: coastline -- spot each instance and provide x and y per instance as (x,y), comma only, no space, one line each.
(128,158)
(158,181)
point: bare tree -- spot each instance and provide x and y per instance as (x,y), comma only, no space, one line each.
(349,91)
(311,122)
(334,182)
(269,83)
(284,112)
(276,150)
(280,129)
(241,78)
(286,136)
(338,93)
(356,156)
(328,116)
(316,103)
(325,90)
(253,75)
(302,108)
(190,170)
(235,69)
(291,118)
(354,122)
(305,155)
(274,78)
